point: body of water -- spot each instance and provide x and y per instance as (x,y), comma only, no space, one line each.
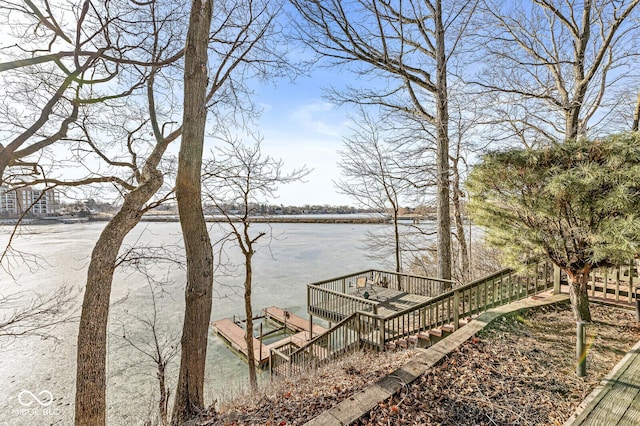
(33,370)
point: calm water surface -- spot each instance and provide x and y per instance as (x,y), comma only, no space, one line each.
(298,254)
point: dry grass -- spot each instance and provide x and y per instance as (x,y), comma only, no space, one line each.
(519,371)
(295,400)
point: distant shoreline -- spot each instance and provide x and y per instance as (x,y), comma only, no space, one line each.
(337,219)
(284,219)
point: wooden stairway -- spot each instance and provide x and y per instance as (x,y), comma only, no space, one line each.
(424,339)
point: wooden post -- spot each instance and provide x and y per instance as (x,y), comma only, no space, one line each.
(310,326)
(546,275)
(358,331)
(556,280)
(581,349)
(456,309)
(260,357)
(510,288)
(617,293)
(486,296)
(632,270)
(381,336)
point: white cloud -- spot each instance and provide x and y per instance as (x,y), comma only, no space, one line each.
(319,117)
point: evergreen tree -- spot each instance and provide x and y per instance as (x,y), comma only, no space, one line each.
(575,203)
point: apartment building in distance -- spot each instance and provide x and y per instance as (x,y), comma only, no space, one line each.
(14,202)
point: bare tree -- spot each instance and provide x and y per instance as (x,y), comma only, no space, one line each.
(636,115)
(407,133)
(142,57)
(66,61)
(160,349)
(73,94)
(199,288)
(242,176)
(136,46)
(240,28)
(552,65)
(403,44)
(465,126)
(26,315)
(376,175)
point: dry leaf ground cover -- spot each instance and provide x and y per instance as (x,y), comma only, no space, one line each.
(519,370)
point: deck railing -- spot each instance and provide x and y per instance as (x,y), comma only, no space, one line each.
(334,306)
(616,284)
(473,298)
(333,299)
(367,329)
(355,332)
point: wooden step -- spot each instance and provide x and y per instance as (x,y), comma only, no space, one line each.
(435,332)
(424,336)
(449,328)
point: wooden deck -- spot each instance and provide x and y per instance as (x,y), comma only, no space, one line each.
(393,301)
(387,302)
(617,400)
(234,335)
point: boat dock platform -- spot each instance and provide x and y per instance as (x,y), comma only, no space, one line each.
(291,321)
(234,335)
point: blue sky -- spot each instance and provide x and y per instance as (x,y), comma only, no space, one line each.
(300,127)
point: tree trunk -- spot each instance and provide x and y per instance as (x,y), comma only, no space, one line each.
(199,287)
(573,128)
(457,214)
(636,115)
(442,152)
(253,378)
(90,401)
(163,403)
(578,294)
(396,236)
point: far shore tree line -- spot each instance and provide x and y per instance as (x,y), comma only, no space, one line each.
(92,206)
(540,94)
(257,208)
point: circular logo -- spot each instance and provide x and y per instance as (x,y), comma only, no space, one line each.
(27,398)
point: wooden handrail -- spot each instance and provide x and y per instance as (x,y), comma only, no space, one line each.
(370,271)
(500,287)
(373,303)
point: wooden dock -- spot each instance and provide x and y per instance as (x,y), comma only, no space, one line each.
(617,400)
(291,321)
(234,335)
